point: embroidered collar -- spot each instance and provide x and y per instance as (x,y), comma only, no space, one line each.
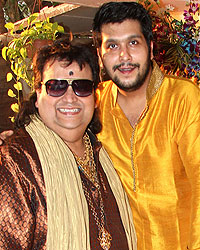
(155,81)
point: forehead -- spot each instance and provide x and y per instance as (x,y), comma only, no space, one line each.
(62,69)
(120,31)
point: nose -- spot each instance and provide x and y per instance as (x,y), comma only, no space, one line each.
(69,95)
(125,54)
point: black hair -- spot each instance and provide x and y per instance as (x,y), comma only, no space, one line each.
(117,12)
(61,50)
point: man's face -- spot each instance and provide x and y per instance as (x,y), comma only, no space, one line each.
(68,114)
(125,54)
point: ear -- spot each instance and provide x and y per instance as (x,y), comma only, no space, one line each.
(38,93)
(98,51)
(100,57)
(97,98)
(151,47)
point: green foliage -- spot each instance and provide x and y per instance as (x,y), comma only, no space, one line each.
(17,49)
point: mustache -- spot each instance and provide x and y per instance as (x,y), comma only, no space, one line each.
(125,64)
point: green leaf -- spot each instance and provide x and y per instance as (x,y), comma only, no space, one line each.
(9,26)
(9,77)
(11,93)
(16,65)
(61,29)
(4,54)
(32,18)
(23,52)
(12,67)
(12,118)
(55,26)
(15,107)
(20,60)
(21,27)
(18,86)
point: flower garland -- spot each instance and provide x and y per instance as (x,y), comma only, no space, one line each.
(177,43)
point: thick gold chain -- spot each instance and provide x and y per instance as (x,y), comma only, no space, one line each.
(105,237)
(86,163)
(87,166)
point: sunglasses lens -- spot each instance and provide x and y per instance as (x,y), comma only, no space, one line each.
(56,87)
(82,87)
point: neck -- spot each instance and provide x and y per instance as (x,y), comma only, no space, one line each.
(77,146)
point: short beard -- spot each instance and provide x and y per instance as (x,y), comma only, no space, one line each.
(139,81)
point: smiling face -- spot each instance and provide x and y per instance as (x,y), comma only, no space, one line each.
(67,115)
(125,54)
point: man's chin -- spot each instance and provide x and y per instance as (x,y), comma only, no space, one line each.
(128,87)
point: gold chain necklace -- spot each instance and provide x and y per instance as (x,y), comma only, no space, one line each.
(87,166)
(86,163)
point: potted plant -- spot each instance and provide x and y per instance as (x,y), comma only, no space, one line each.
(21,49)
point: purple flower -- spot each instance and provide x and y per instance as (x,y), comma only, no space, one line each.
(194,8)
(177,43)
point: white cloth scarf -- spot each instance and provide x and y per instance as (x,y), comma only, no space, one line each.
(67,209)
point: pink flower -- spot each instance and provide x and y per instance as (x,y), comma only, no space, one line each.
(194,8)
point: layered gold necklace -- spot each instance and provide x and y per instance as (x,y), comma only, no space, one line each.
(87,166)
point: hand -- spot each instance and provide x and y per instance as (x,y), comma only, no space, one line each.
(4,135)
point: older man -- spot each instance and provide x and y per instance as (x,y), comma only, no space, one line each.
(58,188)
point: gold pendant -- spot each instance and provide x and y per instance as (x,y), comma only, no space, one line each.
(105,239)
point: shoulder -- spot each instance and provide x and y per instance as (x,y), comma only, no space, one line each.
(19,141)
(104,88)
(104,85)
(18,154)
(181,98)
(180,90)
(181,85)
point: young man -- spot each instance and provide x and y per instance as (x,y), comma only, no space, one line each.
(151,130)
(58,189)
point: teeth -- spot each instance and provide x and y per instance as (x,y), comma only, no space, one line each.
(69,110)
(125,69)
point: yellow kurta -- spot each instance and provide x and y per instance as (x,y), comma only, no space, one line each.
(166,160)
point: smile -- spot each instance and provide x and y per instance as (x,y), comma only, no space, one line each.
(126,69)
(66,110)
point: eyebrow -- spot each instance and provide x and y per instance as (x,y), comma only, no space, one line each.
(128,38)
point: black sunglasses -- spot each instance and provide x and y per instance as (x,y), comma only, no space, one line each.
(58,87)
